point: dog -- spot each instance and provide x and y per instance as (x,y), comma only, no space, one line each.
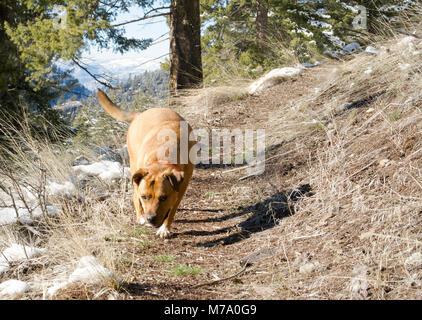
(158,184)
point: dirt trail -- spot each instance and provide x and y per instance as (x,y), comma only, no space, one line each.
(223,219)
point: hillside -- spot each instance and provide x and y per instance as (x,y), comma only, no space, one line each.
(335,215)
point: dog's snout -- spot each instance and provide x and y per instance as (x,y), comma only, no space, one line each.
(151,218)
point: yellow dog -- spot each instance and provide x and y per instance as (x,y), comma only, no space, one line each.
(159,185)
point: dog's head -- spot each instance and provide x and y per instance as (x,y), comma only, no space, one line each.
(156,188)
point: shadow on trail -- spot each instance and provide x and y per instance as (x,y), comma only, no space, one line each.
(153,290)
(265,215)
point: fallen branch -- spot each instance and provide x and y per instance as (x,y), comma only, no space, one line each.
(246,262)
(221,280)
(417,36)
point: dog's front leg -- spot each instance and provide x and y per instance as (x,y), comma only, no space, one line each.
(164,230)
(139,210)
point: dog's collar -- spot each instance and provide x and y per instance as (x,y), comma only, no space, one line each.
(168,163)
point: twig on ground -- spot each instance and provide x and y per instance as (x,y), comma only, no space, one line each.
(221,280)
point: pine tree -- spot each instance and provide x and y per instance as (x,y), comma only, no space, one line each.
(19,96)
(62,29)
(261,34)
(185,45)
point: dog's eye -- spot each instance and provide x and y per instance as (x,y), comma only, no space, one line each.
(144,198)
(162,198)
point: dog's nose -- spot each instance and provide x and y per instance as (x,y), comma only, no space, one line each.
(151,219)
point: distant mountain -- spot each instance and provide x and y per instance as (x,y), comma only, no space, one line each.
(69,110)
(69,88)
(114,69)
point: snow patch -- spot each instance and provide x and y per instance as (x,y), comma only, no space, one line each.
(414,259)
(17,252)
(105,170)
(371,50)
(53,289)
(88,271)
(368,71)
(404,66)
(272,78)
(65,189)
(4,266)
(359,283)
(9,216)
(13,288)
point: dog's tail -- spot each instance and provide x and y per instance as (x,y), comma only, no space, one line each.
(114,110)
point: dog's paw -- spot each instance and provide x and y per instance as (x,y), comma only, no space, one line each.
(163,232)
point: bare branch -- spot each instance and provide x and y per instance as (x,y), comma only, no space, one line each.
(92,75)
(141,19)
(417,36)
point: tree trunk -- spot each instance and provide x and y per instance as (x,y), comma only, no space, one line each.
(261,22)
(185,45)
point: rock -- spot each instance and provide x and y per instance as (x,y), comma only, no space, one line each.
(81,160)
(308,65)
(257,256)
(124,154)
(331,54)
(107,154)
(272,78)
(308,267)
(352,47)
(371,50)
(383,163)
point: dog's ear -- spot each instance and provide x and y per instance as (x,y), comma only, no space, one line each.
(138,176)
(176,178)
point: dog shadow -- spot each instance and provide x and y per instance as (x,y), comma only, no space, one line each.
(265,215)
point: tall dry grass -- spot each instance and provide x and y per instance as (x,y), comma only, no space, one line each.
(94,221)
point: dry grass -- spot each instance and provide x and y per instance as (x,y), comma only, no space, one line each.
(358,138)
(359,235)
(93,222)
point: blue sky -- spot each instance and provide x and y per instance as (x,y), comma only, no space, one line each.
(115,64)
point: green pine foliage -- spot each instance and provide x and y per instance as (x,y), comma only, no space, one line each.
(293,30)
(63,29)
(94,126)
(34,35)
